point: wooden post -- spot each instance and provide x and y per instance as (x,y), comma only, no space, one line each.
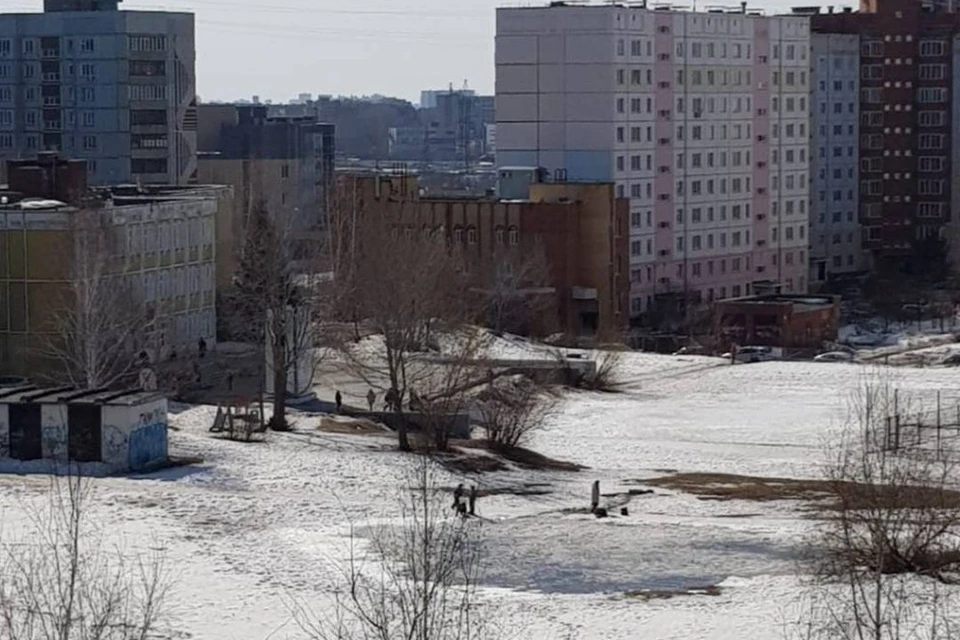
(886,433)
(595,496)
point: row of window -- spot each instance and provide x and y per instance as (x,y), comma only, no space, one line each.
(30,47)
(166,236)
(164,284)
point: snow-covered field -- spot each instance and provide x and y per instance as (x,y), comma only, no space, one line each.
(256,526)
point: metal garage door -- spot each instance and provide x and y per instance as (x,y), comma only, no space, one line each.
(26,441)
(83,432)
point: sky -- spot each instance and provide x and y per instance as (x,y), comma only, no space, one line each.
(278,49)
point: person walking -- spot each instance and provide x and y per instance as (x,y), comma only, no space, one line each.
(371,398)
(339,400)
(202,347)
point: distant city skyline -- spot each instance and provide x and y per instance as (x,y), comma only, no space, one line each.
(358,47)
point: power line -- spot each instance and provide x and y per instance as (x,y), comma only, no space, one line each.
(199,4)
(306,31)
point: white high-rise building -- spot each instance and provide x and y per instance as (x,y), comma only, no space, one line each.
(701,119)
(835,232)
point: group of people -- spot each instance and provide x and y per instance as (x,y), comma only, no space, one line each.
(391,400)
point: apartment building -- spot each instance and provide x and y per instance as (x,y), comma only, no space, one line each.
(160,241)
(909,137)
(286,162)
(835,232)
(116,88)
(701,120)
(581,227)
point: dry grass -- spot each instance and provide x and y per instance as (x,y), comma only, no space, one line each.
(825,494)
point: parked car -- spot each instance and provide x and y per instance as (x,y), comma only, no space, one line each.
(834,356)
(754,354)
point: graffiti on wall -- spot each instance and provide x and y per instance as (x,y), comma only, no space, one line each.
(148,440)
(114,445)
(54,441)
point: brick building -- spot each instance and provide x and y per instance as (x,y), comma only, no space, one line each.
(581,227)
(909,124)
(786,321)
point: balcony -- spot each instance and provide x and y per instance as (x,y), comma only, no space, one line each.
(50,53)
(51,76)
(51,101)
(52,125)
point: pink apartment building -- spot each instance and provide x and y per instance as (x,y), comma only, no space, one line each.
(701,119)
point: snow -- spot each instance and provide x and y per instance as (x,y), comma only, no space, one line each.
(258,527)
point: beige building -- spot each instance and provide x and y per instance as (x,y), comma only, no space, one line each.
(161,246)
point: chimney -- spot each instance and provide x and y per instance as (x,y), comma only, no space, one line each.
(830,9)
(743,7)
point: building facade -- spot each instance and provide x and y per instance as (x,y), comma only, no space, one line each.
(116,88)
(287,163)
(701,120)
(162,248)
(582,229)
(835,232)
(909,111)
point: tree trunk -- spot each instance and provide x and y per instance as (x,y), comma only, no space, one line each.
(278,422)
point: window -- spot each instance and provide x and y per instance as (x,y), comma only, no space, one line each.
(471,235)
(931,118)
(930,164)
(140,92)
(931,48)
(6,118)
(931,94)
(88,71)
(147,68)
(930,187)
(931,141)
(87,94)
(147,43)
(871,48)
(932,71)
(89,142)
(86,45)
(513,234)
(150,141)
(149,117)
(148,165)
(874,95)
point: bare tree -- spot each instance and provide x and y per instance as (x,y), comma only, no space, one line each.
(417,579)
(891,541)
(60,582)
(512,410)
(409,288)
(516,286)
(102,324)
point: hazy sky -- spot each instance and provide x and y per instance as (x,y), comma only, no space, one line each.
(279,48)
